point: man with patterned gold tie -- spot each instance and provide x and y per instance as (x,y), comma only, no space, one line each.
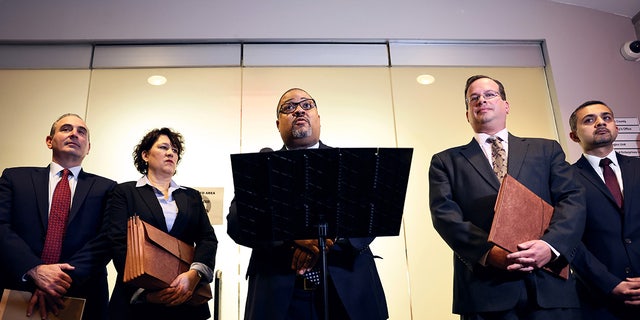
(50,222)
(607,264)
(489,282)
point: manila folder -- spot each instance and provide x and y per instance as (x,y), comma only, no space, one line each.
(14,305)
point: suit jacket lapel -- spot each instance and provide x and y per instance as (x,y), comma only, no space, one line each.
(585,168)
(320,146)
(518,148)
(40,180)
(155,210)
(473,153)
(630,177)
(182,219)
(80,194)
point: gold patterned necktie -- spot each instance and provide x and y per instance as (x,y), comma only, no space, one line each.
(498,157)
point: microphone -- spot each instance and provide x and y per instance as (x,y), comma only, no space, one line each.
(266,149)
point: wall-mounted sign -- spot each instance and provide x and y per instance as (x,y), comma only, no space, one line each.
(212,199)
(628,141)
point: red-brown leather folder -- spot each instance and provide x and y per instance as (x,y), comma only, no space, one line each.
(155,258)
(520,216)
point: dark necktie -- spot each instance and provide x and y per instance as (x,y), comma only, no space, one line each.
(611,181)
(58,217)
(498,157)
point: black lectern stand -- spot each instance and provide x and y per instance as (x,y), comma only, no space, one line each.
(323,193)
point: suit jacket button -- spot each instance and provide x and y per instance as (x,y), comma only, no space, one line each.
(627,241)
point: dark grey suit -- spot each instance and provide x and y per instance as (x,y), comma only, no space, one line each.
(610,250)
(462,192)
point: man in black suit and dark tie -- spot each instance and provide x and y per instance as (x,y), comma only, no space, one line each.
(489,282)
(50,222)
(280,286)
(607,263)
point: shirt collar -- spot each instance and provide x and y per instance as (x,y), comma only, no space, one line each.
(144,180)
(595,160)
(54,168)
(503,134)
(315,146)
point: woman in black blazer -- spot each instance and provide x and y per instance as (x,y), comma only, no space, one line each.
(174,209)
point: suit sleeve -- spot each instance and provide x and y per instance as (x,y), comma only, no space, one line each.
(592,271)
(92,258)
(14,249)
(569,215)
(117,212)
(467,240)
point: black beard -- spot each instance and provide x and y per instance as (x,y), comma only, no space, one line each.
(599,140)
(302,132)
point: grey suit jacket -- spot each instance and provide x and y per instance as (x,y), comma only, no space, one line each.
(462,194)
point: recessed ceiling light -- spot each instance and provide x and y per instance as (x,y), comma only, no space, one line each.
(157,80)
(425,79)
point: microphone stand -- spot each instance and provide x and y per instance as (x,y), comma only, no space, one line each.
(322,235)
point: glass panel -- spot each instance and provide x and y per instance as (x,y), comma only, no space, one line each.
(203,105)
(31,100)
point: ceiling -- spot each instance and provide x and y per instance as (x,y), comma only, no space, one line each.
(626,8)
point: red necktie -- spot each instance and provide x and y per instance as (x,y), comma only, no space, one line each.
(611,181)
(58,217)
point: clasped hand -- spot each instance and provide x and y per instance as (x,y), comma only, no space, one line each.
(306,254)
(52,283)
(531,255)
(178,292)
(629,291)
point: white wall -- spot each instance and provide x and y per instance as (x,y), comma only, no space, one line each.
(582,44)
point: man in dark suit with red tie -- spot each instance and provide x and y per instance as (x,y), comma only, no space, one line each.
(489,283)
(607,262)
(60,200)
(278,272)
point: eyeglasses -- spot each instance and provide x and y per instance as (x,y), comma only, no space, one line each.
(290,107)
(487,95)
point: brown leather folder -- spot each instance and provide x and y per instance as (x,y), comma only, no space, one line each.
(520,216)
(154,258)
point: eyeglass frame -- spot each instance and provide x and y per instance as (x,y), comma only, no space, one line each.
(476,97)
(296,105)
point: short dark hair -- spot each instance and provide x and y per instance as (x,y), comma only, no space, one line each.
(55,123)
(573,119)
(279,100)
(472,79)
(177,141)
